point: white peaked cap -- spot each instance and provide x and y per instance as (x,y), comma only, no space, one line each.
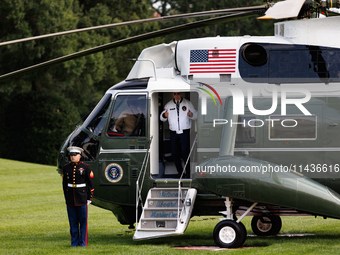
(75,149)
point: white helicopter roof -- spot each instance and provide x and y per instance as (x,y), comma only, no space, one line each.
(169,60)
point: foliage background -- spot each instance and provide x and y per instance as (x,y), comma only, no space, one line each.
(39,109)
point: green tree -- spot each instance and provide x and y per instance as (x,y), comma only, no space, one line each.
(116,61)
(35,125)
(77,84)
(85,78)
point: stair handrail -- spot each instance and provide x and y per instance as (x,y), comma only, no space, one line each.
(139,190)
(180,198)
(186,163)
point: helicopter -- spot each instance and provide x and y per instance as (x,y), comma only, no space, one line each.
(265,142)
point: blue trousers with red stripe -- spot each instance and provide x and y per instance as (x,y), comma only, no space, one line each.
(77,216)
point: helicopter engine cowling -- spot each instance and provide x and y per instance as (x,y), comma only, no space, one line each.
(264,182)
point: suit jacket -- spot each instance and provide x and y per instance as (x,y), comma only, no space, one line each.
(78,184)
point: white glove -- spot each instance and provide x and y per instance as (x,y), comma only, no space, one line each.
(89,202)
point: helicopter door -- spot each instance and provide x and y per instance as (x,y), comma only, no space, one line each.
(167,168)
(125,142)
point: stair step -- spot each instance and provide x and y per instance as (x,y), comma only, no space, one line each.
(157,224)
(171,188)
(167,193)
(160,213)
(163,203)
(169,219)
(163,198)
(157,229)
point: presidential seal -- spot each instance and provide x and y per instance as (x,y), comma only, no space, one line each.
(114,173)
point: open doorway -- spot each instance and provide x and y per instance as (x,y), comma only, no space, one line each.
(167,166)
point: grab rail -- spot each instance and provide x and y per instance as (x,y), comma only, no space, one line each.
(139,190)
(180,198)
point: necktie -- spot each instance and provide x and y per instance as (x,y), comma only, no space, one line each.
(177,107)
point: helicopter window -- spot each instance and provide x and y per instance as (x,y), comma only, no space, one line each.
(128,116)
(292,127)
(95,122)
(254,54)
(246,133)
(90,145)
(311,65)
(281,63)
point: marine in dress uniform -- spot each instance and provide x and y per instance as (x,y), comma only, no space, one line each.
(179,112)
(78,187)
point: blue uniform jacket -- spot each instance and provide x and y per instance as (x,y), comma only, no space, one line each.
(78,184)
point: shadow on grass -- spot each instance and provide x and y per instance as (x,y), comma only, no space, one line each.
(288,239)
(207,240)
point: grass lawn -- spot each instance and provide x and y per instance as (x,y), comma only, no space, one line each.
(34,221)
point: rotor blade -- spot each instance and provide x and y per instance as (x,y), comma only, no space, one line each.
(130,40)
(284,9)
(187,15)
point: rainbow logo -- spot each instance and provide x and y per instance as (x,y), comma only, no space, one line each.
(209,93)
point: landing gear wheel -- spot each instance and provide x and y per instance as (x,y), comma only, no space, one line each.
(266,225)
(229,234)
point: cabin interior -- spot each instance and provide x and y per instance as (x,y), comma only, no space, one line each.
(161,161)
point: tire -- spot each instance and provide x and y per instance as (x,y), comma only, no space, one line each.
(266,225)
(229,234)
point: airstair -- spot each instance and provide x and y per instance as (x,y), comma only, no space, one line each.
(166,212)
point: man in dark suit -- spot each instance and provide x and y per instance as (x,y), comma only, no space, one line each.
(78,187)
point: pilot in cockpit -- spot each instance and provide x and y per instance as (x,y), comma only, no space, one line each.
(127,120)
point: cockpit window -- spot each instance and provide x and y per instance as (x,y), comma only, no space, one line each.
(96,121)
(128,116)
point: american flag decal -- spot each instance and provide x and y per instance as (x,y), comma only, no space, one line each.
(213,61)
